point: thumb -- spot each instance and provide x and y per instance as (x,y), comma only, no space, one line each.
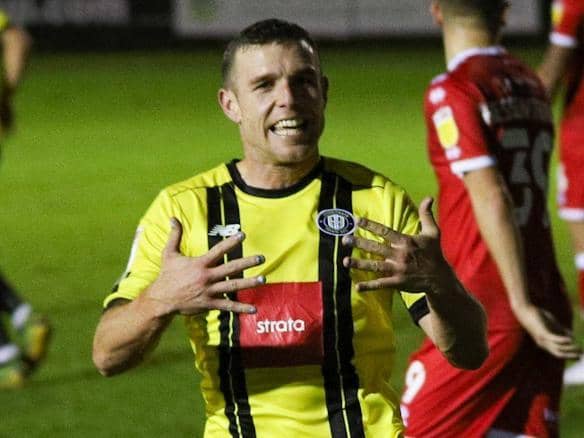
(174,238)
(429,226)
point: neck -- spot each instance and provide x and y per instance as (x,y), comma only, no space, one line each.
(459,36)
(274,176)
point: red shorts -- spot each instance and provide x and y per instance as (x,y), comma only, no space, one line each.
(571,178)
(516,390)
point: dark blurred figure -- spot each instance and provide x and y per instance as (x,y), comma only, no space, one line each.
(23,347)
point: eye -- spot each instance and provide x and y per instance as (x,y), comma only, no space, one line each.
(308,80)
(263,86)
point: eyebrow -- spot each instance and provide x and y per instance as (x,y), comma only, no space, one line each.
(261,78)
(312,71)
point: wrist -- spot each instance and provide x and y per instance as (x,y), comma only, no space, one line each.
(445,281)
(519,305)
(154,306)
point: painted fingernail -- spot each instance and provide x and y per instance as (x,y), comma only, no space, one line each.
(261,279)
(260,259)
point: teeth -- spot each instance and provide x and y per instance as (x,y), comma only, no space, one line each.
(289,123)
(288,127)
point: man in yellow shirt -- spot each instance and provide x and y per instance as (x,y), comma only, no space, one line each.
(20,355)
(285,265)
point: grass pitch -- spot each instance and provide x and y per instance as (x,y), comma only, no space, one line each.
(98,136)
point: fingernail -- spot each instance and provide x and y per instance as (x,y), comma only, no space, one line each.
(240,235)
(173,222)
(348,240)
(260,259)
(252,310)
(261,279)
(346,262)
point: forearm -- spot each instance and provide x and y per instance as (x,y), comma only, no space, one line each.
(16,47)
(553,67)
(126,333)
(456,323)
(493,210)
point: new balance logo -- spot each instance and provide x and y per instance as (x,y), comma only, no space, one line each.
(224,230)
(291,325)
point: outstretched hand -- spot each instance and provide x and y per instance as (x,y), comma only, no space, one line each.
(548,333)
(191,285)
(412,263)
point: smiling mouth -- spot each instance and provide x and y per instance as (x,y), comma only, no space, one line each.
(289,127)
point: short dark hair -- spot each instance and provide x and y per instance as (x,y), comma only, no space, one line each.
(490,12)
(263,32)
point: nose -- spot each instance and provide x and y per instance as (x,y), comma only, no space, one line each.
(286,94)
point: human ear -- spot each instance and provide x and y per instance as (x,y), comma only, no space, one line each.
(436,12)
(229,105)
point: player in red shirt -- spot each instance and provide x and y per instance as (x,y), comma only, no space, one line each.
(564,61)
(490,137)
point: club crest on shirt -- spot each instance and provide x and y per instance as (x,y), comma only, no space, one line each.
(446,127)
(336,222)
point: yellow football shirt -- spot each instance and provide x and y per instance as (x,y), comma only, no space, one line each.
(4,21)
(316,358)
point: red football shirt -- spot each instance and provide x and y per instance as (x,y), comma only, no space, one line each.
(489,109)
(568,31)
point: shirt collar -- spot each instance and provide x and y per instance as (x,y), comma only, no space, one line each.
(465,54)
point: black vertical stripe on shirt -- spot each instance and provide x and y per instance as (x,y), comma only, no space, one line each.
(345,321)
(231,369)
(330,369)
(231,209)
(213,215)
(213,219)
(340,379)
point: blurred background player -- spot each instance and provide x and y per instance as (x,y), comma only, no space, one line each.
(22,351)
(490,136)
(564,62)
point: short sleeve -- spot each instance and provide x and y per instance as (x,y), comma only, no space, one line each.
(456,127)
(146,253)
(567,17)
